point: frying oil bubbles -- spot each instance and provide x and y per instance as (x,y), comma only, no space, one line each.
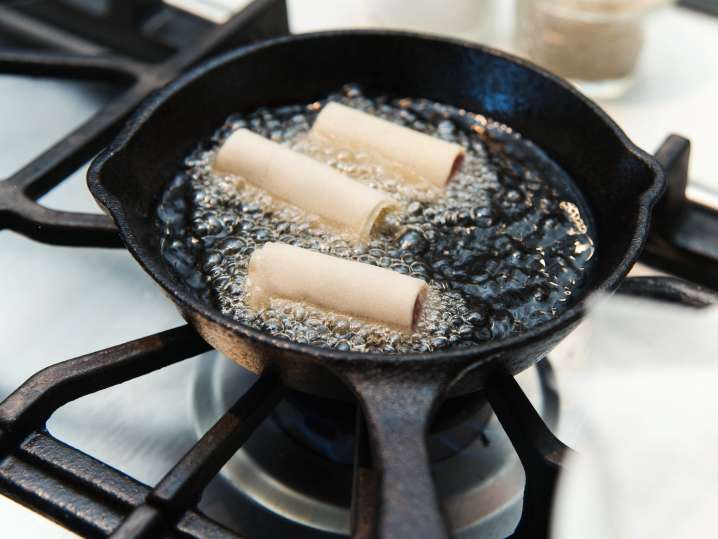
(504,247)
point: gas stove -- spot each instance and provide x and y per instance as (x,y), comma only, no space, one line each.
(161,436)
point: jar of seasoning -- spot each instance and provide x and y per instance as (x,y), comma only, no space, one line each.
(594,43)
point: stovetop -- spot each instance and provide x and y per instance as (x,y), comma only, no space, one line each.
(61,302)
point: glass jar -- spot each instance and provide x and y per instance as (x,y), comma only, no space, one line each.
(594,43)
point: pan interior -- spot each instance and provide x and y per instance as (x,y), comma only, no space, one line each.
(505,247)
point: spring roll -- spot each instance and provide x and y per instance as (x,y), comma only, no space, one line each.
(431,158)
(303,182)
(278,270)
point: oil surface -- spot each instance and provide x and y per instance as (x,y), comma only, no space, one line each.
(504,248)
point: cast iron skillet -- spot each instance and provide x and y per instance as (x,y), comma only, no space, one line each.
(397,392)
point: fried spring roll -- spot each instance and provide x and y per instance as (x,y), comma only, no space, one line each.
(283,271)
(434,159)
(302,181)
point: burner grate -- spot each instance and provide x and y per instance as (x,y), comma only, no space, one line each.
(96,500)
(182,487)
(84,494)
(92,498)
(684,236)
(19,209)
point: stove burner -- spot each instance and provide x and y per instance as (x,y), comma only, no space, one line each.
(297,465)
(329,433)
(327,426)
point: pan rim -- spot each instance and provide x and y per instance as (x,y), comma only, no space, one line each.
(469,355)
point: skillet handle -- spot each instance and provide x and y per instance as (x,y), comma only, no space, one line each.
(398,403)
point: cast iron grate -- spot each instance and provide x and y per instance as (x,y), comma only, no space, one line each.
(95,500)
(58,57)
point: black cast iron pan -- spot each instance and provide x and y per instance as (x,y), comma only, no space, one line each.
(397,393)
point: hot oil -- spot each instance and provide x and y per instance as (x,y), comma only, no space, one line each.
(505,247)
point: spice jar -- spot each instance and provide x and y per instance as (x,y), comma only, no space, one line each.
(595,43)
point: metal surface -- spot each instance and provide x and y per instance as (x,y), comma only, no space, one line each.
(31,404)
(70,487)
(480,486)
(19,210)
(56,479)
(684,241)
(132,28)
(541,454)
(183,486)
